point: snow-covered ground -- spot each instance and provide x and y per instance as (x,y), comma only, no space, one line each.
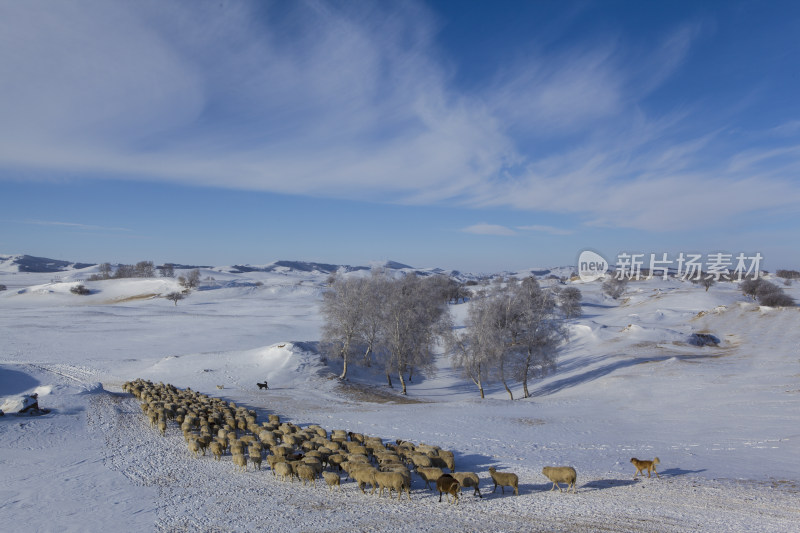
(724,421)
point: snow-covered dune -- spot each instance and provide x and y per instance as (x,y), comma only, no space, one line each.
(721,419)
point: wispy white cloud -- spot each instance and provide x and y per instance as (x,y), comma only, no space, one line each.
(546,229)
(357,101)
(488,229)
(74,225)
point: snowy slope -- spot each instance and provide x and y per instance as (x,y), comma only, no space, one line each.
(723,420)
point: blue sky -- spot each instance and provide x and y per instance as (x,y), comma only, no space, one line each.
(469,135)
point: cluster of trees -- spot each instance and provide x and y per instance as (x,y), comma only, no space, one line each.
(513,331)
(514,328)
(767,294)
(190,280)
(379,319)
(142,269)
(788,275)
(146,269)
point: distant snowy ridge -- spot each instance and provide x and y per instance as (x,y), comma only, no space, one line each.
(42,265)
(29,263)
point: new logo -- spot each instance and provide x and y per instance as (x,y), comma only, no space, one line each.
(591,266)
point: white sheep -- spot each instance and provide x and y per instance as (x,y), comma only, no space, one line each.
(307,473)
(430,474)
(217,449)
(332,479)
(282,470)
(363,475)
(393,481)
(468,479)
(240,461)
(504,479)
(561,474)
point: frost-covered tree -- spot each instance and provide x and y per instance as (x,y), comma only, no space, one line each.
(104,270)
(145,269)
(175,297)
(513,330)
(614,287)
(749,287)
(377,291)
(125,271)
(540,332)
(776,299)
(704,280)
(471,348)
(770,295)
(167,270)
(343,310)
(410,324)
(191,280)
(569,300)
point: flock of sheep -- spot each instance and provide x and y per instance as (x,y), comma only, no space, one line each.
(305,453)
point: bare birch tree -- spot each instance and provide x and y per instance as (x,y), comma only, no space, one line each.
(342,308)
(540,332)
(409,326)
(513,332)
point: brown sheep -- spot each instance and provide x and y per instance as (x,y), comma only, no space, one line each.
(447,484)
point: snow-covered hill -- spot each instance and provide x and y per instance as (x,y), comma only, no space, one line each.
(723,420)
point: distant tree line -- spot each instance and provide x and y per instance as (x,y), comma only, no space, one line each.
(788,274)
(142,269)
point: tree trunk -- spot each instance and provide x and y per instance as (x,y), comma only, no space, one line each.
(525,377)
(402,382)
(410,373)
(510,394)
(389,379)
(479,383)
(367,358)
(344,369)
(503,379)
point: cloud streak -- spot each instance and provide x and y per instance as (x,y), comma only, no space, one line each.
(546,229)
(357,101)
(74,225)
(489,229)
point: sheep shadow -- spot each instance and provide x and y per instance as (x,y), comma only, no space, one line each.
(600,484)
(675,472)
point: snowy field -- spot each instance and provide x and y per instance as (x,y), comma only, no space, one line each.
(724,421)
